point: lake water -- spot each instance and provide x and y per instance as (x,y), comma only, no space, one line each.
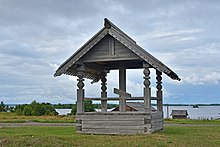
(63,111)
(203,112)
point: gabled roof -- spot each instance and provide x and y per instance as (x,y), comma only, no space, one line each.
(179,113)
(71,65)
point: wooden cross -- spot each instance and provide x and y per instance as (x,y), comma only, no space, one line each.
(122,95)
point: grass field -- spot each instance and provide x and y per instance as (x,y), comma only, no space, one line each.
(191,121)
(7,117)
(66,136)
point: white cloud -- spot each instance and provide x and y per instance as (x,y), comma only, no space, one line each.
(160,34)
(210,78)
(36,37)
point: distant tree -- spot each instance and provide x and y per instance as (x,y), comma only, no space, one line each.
(2,107)
(11,109)
(19,109)
(6,108)
(49,109)
(89,107)
(27,111)
(74,109)
(35,109)
(63,106)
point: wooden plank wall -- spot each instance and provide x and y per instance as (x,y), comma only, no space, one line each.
(109,49)
(156,121)
(114,123)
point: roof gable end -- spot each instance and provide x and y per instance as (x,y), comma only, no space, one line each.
(112,30)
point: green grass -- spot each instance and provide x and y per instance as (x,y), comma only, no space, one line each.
(67,136)
(191,121)
(7,117)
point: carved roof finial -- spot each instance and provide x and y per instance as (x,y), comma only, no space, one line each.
(107,23)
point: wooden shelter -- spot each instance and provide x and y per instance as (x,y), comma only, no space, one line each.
(179,114)
(112,49)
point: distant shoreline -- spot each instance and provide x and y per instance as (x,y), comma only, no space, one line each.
(154,104)
(190,104)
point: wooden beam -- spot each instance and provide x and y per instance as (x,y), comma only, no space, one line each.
(121,93)
(147,89)
(106,58)
(159,91)
(103,93)
(117,98)
(111,46)
(122,87)
(80,90)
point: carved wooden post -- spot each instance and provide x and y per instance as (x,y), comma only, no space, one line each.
(103,93)
(122,86)
(80,90)
(159,91)
(147,89)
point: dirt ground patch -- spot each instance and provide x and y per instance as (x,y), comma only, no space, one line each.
(34,124)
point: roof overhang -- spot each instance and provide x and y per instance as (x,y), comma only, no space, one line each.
(70,66)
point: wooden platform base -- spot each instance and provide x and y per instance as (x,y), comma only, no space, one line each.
(119,123)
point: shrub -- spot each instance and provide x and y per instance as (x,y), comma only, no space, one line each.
(89,107)
(3,107)
(35,109)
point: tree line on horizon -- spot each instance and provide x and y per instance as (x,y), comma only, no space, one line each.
(5,108)
(39,109)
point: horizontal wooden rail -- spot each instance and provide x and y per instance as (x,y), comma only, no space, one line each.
(117,98)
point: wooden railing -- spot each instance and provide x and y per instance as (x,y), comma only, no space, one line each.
(117,98)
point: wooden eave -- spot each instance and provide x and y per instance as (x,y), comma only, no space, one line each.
(70,66)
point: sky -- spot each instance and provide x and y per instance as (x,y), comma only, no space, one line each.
(36,37)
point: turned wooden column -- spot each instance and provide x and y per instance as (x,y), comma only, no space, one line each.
(147,89)
(80,90)
(122,86)
(159,91)
(103,93)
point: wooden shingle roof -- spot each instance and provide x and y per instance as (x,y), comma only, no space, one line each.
(94,68)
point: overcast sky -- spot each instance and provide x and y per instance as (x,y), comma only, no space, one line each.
(36,36)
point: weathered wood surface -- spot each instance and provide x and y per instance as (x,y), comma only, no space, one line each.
(122,93)
(122,127)
(109,49)
(101,123)
(140,52)
(159,91)
(111,25)
(80,90)
(103,93)
(122,89)
(157,121)
(117,98)
(112,115)
(114,131)
(147,89)
(114,123)
(124,49)
(112,49)
(120,123)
